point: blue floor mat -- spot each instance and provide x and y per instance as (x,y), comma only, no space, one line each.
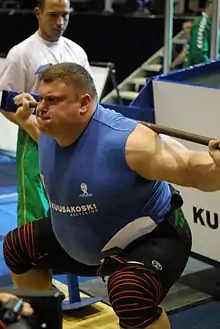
(8,221)
(205,316)
(7,172)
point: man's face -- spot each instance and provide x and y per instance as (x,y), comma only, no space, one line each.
(59,109)
(53,18)
(187,29)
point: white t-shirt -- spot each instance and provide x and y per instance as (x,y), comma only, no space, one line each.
(24,59)
(19,70)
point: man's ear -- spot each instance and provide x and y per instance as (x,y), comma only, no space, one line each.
(85,103)
(37,12)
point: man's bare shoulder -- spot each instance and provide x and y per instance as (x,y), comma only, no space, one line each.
(141,141)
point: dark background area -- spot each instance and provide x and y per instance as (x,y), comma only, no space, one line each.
(124,39)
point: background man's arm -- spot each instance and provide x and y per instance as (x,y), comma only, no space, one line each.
(13,77)
(179,59)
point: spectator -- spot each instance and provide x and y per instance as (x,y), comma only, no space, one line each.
(199,44)
(180,58)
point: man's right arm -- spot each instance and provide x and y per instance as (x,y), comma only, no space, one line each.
(31,127)
(179,59)
(24,117)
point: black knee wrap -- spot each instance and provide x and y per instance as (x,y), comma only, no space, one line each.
(19,249)
(134,293)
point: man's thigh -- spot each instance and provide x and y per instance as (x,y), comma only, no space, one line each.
(164,252)
(37,247)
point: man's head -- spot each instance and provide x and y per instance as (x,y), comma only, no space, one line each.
(68,99)
(53,18)
(187,29)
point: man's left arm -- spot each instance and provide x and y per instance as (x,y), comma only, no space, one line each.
(165,159)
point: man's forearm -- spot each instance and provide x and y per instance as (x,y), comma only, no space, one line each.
(10,116)
(204,172)
(179,59)
(31,127)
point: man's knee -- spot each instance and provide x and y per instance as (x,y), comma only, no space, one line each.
(134,293)
(19,249)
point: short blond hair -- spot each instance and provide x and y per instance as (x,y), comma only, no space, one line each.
(72,74)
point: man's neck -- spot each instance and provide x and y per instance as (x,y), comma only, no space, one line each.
(74,134)
(71,137)
(44,37)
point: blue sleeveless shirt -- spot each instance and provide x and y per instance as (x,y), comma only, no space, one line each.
(93,193)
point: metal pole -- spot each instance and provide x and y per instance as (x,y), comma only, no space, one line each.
(168,35)
(215,28)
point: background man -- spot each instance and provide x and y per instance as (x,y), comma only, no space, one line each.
(199,44)
(180,58)
(23,64)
